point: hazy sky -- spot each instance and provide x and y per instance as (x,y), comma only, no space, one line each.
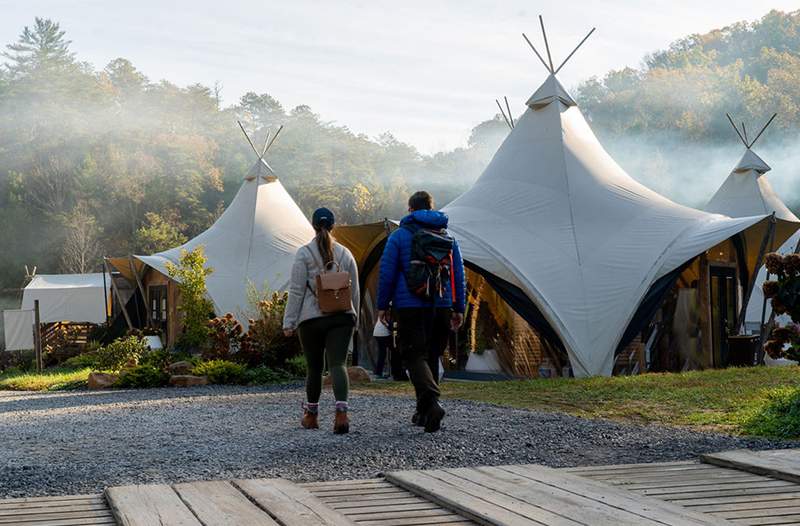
(426,71)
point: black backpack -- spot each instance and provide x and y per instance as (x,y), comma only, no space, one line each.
(431,259)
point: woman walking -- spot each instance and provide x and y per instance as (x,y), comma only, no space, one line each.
(322,306)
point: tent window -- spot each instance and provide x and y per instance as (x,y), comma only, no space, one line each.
(158,304)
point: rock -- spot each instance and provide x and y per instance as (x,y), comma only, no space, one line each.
(181,368)
(357,375)
(102,380)
(187,380)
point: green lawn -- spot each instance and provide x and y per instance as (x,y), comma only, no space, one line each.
(717,399)
(49,380)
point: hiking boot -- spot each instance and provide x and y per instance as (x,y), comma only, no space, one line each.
(341,424)
(433,418)
(309,420)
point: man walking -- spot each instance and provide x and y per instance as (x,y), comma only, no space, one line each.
(422,275)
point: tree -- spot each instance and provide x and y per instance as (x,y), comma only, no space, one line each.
(190,274)
(43,47)
(81,250)
(160,233)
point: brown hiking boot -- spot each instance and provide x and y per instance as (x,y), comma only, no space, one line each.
(341,424)
(309,420)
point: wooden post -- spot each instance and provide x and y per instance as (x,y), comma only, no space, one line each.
(141,290)
(37,336)
(119,298)
(105,290)
(768,235)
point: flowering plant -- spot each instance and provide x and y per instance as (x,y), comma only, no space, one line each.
(784,296)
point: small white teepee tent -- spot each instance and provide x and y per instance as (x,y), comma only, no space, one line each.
(747,192)
(252,242)
(557,219)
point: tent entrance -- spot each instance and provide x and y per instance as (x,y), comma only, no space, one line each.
(724,306)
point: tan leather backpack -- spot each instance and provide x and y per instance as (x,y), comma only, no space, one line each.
(333,288)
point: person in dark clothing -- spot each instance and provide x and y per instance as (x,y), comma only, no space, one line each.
(423,324)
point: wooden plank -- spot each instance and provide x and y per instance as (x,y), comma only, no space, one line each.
(218,503)
(762,521)
(47,517)
(391,515)
(414,506)
(411,499)
(378,497)
(349,492)
(700,483)
(50,499)
(41,510)
(748,505)
(49,504)
(714,473)
(686,464)
(699,490)
(449,520)
(683,498)
(653,509)
(780,463)
(94,521)
(141,505)
(554,501)
(485,511)
(772,512)
(334,483)
(290,504)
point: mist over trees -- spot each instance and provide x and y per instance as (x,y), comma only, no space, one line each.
(665,121)
(110,162)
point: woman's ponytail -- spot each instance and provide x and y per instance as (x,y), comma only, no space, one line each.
(325,245)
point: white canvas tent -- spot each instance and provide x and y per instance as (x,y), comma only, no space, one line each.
(555,219)
(79,298)
(747,192)
(252,242)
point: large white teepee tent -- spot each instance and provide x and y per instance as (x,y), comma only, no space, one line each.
(558,220)
(747,192)
(252,242)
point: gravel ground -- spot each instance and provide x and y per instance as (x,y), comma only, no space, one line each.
(81,442)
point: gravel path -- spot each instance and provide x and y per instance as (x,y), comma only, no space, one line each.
(81,442)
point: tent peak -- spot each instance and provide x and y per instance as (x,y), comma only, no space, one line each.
(549,64)
(261,170)
(743,133)
(751,162)
(551,90)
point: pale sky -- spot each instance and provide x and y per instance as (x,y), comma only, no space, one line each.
(426,71)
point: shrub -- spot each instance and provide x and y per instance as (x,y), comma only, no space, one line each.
(143,376)
(121,353)
(190,274)
(226,337)
(82,361)
(778,417)
(296,366)
(265,343)
(158,358)
(221,372)
(265,375)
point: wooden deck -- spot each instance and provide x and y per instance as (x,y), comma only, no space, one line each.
(674,493)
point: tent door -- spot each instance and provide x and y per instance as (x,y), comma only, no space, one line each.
(157,295)
(723,312)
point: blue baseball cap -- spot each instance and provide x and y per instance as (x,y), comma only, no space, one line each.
(323,218)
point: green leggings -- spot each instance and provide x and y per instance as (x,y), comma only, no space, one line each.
(321,338)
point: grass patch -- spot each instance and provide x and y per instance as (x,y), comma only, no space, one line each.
(778,416)
(721,400)
(49,380)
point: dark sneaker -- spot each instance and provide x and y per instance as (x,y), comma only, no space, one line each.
(418,420)
(433,418)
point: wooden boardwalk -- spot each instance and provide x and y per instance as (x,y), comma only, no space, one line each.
(736,489)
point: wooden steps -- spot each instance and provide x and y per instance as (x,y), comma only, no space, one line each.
(740,497)
(779,463)
(71,510)
(536,495)
(260,502)
(376,502)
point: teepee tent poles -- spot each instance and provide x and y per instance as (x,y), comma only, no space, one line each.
(762,129)
(537,53)
(273,139)
(546,45)
(503,113)
(249,141)
(744,141)
(574,50)
(508,118)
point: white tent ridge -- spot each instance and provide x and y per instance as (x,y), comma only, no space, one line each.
(252,243)
(554,215)
(747,191)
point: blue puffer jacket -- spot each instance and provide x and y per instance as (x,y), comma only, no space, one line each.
(397,257)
